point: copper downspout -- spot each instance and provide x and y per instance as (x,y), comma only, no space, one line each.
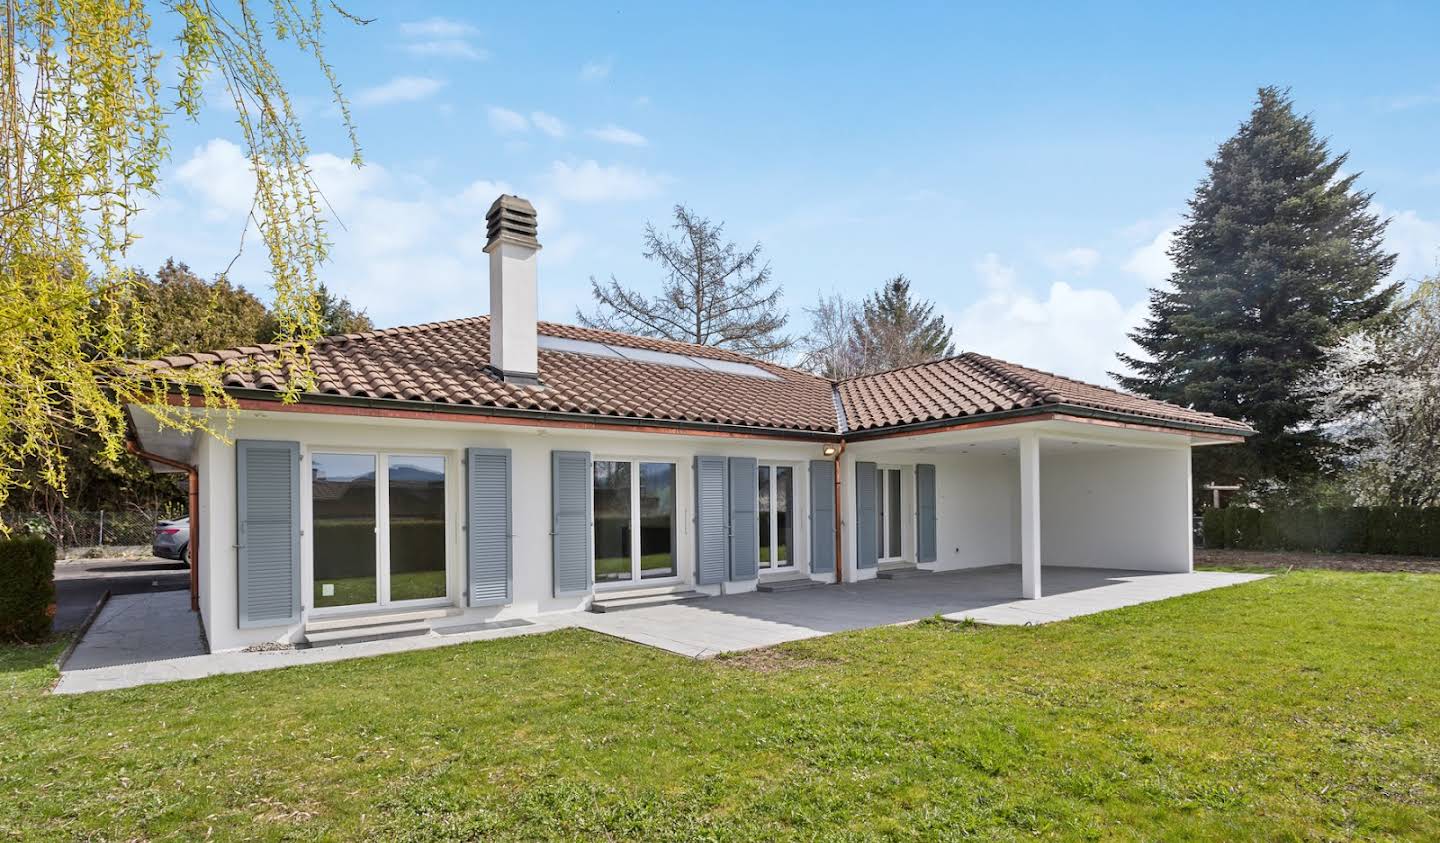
(194,478)
(839,557)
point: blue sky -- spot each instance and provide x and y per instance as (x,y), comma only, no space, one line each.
(1022,166)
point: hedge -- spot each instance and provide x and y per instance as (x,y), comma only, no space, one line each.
(27,588)
(1385,530)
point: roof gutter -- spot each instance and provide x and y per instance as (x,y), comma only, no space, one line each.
(749,431)
(1039,410)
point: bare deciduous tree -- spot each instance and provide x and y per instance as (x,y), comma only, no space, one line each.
(714,293)
(831,349)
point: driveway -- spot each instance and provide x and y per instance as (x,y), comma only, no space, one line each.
(705,628)
(80,583)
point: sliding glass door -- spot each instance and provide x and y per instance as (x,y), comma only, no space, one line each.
(378,528)
(777,526)
(634,521)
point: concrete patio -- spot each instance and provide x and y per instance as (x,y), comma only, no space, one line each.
(706,628)
(143,639)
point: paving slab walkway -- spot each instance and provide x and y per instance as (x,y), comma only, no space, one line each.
(147,638)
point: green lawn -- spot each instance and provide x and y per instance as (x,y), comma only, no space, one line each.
(1300,707)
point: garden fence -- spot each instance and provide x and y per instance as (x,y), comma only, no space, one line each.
(97,528)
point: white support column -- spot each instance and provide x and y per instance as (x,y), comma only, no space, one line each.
(1029,516)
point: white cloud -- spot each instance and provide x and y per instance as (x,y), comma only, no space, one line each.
(505,121)
(405,248)
(549,124)
(1080,260)
(995,275)
(1151,262)
(441,38)
(1068,330)
(220,175)
(437,27)
(615,134)
(594,71)
(1417,242)
(400,89)
(590,182)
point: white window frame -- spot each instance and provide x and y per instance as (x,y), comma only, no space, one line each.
(382,459)
(635,580)
(883,502)
(790,564)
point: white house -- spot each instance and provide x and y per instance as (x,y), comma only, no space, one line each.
(493,468)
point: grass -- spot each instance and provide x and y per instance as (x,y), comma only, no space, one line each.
(1298,707)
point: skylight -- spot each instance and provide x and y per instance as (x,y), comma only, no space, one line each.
(645,355)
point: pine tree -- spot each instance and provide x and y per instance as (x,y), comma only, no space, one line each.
(1279,255)
(894,330)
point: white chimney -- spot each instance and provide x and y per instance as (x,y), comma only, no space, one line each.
(511,244)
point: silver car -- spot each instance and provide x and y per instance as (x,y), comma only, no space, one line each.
(172,539)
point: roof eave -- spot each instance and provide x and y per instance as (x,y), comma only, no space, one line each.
(513,413)
(1048,409)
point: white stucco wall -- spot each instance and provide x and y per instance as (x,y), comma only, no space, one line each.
(530,449)
(976,512)
(1117,508)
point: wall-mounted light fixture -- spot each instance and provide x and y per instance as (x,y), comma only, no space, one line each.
(830,450)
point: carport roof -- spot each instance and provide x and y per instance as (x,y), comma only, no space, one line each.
(973,384)
(586,372)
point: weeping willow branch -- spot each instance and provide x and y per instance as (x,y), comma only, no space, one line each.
(82,143)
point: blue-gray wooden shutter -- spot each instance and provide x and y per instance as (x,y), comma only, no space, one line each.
(867,533)
(712,521)
(925,513)
(570,531)
(822,516)
(489,535)
(267,486)
(744,511)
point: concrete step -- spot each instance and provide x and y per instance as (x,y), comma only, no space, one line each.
(900,572)
(369,632)
(624,600)
(787,584)
(351,620)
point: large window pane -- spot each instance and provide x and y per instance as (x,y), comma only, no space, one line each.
(417,527)
(657,520)
(764,516)
(612,521)
(342,490)
(784,528)
(892,480)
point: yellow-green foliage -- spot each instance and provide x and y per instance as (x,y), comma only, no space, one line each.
(82,142)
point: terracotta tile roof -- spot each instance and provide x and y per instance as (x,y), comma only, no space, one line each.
(973,384)
(446,363)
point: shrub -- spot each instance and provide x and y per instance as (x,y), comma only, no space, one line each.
(1331,529)
(27,588)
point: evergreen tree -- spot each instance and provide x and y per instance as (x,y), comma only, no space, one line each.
(1279,255)
(894,330)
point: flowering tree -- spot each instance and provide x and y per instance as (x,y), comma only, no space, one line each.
(82,142)
(1378,397)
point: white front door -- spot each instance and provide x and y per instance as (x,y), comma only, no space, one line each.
(377,528)
(888,511)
